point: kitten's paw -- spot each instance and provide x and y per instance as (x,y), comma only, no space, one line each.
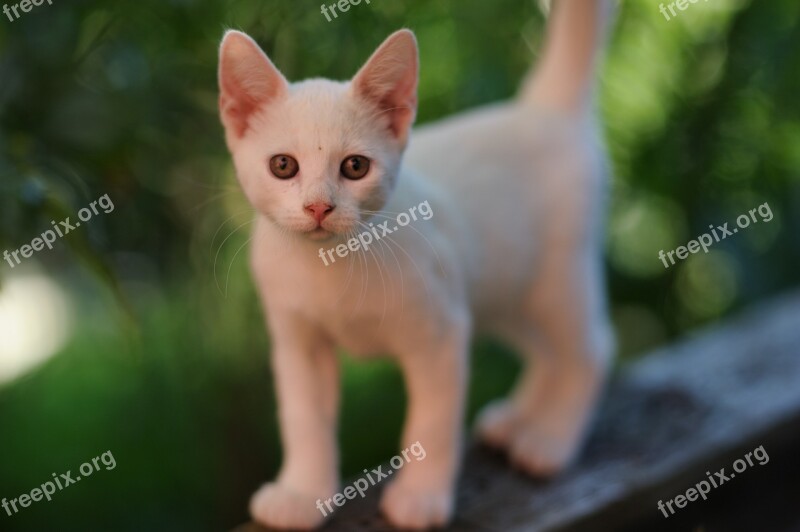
(416,509)
(539,454)
(496,424)
(276,506)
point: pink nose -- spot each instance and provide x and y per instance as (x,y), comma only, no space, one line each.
(319,210)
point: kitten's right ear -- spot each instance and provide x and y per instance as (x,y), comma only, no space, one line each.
(247,80)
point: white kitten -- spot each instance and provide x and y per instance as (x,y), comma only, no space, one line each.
(513,249)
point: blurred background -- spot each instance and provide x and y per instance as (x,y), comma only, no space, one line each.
(140,332)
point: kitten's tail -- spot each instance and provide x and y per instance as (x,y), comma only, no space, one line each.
(565,74)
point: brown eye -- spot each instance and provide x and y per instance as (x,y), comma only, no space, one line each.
(355,167)
(284,166)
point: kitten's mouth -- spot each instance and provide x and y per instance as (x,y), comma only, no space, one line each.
(320,232)
(323,231)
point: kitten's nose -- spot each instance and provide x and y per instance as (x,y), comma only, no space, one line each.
(319,210)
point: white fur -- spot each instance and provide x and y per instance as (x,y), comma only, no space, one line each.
(513,248)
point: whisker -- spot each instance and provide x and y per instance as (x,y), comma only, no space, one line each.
(228,276)
(399,267)
(349,276)
(433,248)
(383,286)
(422,277)
(213,198)
(211,246)
(216,257)
(185,179)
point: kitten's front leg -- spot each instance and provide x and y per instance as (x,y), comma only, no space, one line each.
(422,495)
(306,382)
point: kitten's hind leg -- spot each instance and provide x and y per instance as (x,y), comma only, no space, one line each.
(498,420)
(543,423)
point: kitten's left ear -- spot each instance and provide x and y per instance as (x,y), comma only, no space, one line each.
(389,81)
(247,80)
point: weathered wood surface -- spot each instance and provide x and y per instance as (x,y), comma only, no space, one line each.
(688,408)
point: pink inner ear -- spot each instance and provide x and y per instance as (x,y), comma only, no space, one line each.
(399,103)
(248,81)
(389,80)
(236,107)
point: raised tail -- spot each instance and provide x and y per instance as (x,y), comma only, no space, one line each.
(564,76)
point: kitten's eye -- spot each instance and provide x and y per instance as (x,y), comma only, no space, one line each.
(355,167)
(284,166)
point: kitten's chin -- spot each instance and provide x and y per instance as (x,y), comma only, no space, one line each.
(319,234)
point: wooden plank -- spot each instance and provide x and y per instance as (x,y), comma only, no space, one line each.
(667,418)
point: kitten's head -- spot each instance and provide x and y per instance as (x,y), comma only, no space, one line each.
(314,156)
